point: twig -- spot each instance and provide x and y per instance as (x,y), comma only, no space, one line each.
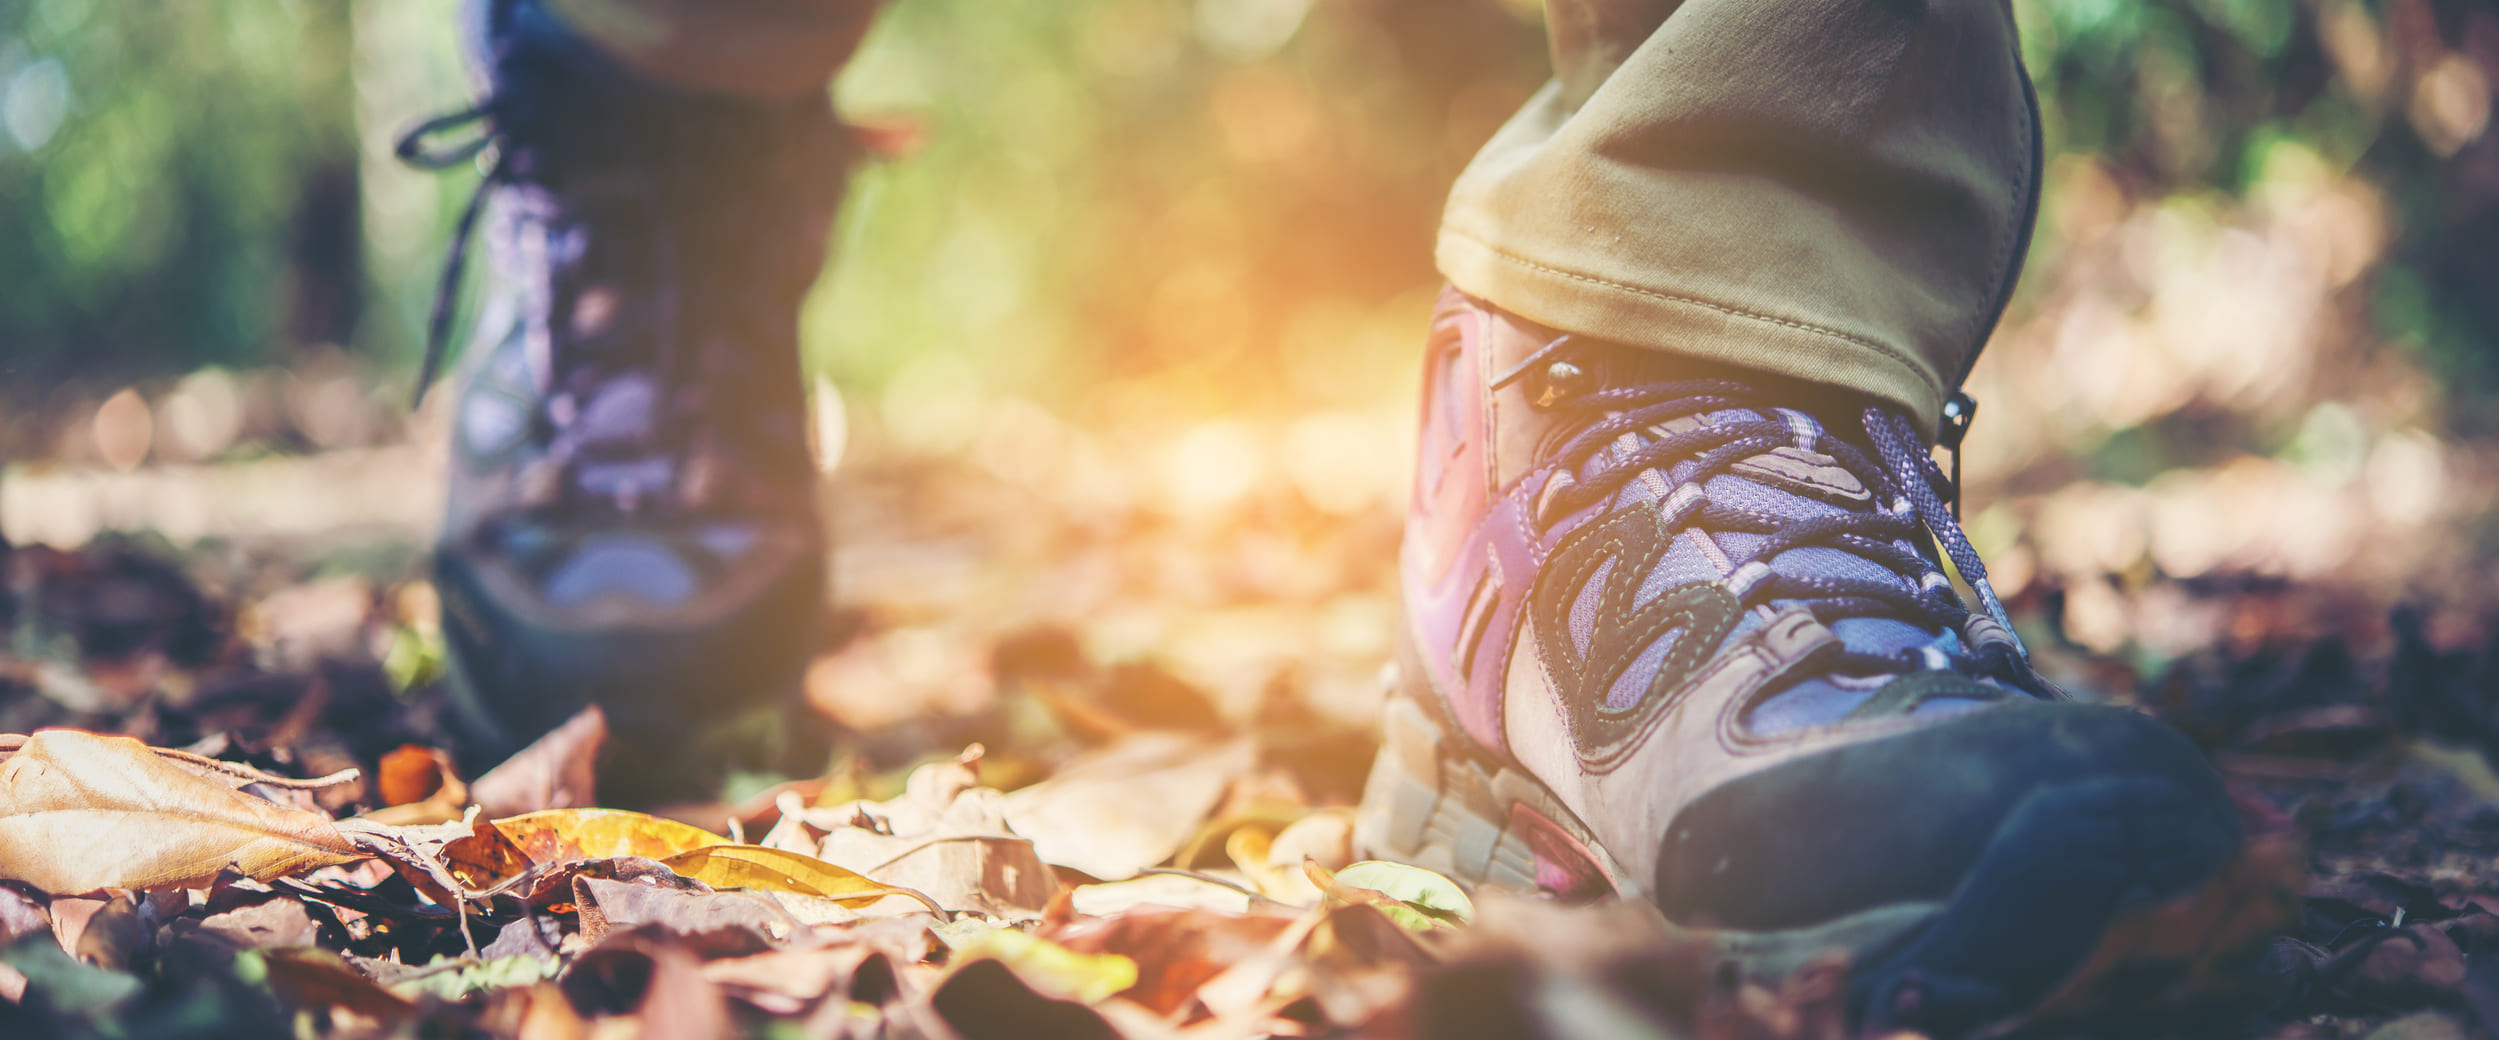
(11,743)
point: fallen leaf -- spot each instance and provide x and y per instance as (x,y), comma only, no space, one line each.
(751,866)
(552,888)
(1175,950)
(2422,1025)
(1420,900)
(547,1014)
(566,835)
(660,986)
(1051,968)
(418,786)
(1326,836)
(457,979)
(984,1000)
(534,935)
(787,982)
(1160,889)
(2413,965)
(617,906)
(108,930)
(311,978)
(559,770)
(274,921)
(22,915)
(230,774)
(1249,848)
(946,838)
(1130,805)
(485,858)
(1358,965)
(413,773)
(66,985)
(1000,877)
(81,812)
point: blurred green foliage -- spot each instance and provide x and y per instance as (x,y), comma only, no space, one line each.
(177,183)
(2183,96)
(1181,197)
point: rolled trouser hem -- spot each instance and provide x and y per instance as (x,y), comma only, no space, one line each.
(1663,319)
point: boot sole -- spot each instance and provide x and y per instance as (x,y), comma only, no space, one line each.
(2058,912)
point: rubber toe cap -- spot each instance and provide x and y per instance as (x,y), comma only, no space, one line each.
(1907,818)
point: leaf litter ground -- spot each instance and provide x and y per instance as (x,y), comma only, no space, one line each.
(1089,778)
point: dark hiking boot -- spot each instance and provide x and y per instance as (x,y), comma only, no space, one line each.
(632,514)
(1686,635)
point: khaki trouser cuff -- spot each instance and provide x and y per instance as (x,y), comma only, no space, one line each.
(1660,318)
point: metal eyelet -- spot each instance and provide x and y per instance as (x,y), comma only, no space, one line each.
(1559,382)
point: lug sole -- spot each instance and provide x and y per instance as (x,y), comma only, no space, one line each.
(2046,922)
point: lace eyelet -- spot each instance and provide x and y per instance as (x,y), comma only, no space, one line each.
(1558,383)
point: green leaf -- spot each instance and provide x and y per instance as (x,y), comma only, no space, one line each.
(1430,900)
(478,976)
(73,988)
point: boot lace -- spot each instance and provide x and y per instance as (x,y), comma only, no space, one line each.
(1623,435)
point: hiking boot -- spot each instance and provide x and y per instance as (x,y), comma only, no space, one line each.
(1685,634)
(632,516)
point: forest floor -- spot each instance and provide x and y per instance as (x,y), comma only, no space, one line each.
(1091,776)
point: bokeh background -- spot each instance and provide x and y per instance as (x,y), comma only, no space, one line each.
(1163,265)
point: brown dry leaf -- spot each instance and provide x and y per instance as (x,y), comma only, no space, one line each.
(418,786)
(81,812)
(616,906)
(1358,964)
(657,987)
(1176,951)
(1167,891)
(557,771)
(2418,964)
(566,835)
(751,866)
(552,888)
(108,929)
(546,1014)
(1325,836)
(484,859)
(1245,986)
(21,915)
(1000,877)
(319,979)
(1128,806)
(276,921)
(411,853)
(984,1000)
(945,838)
(787,982)
(231,774)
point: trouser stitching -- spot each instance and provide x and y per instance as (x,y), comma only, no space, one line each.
(1888,351)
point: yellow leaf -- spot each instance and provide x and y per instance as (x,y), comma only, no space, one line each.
(79,812)
(1047,966)
(570,835)
(1249,848)
(754,866)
